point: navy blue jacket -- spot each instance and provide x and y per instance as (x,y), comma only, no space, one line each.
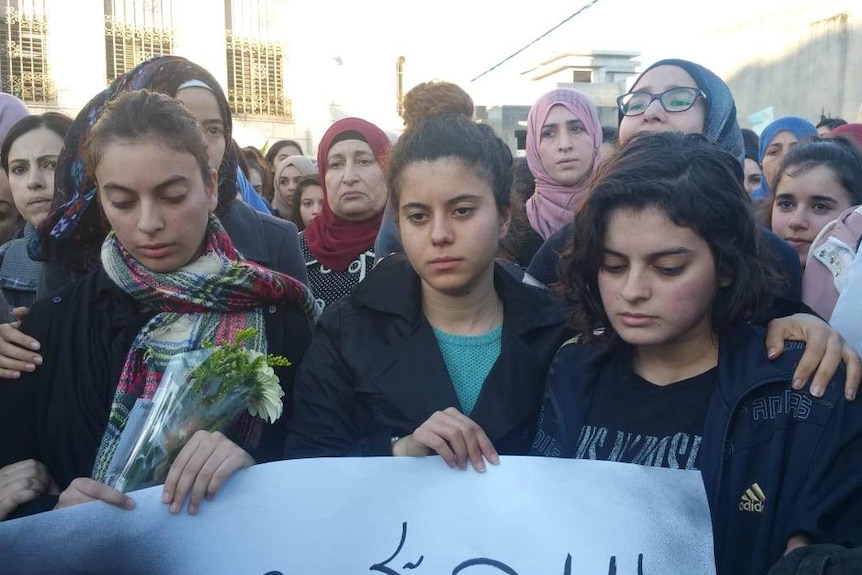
(804,453)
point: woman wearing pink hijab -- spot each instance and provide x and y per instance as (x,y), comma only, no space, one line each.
(564,136)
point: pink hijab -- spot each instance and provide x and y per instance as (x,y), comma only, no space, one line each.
(553,205)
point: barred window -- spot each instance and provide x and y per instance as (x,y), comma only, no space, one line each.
(255,58)
(23,51)
(135,31)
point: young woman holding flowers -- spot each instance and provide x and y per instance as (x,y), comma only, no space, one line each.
(69,238)
(169,280)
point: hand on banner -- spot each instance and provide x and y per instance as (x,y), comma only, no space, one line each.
(201,468)
(17,351)
(84,490)
(824,350)
(22,482)
(454,437)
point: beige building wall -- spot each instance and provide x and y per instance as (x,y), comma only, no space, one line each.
(800,61)
(820,73)
(797,56)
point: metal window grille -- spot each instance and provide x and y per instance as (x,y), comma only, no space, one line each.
(135,31)
(255,59)
(23,51)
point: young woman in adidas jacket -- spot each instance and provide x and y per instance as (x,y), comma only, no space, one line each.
(664,274)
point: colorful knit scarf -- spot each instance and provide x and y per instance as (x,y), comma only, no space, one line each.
(210,299)
(75,229)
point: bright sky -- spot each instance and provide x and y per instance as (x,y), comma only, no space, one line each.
(456,40)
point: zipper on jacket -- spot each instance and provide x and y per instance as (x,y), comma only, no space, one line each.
(724,452)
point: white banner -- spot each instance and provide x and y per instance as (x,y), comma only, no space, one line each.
(394,516)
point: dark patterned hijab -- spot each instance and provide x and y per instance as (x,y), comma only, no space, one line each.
(74,230)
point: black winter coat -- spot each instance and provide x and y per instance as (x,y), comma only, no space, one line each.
(374,370)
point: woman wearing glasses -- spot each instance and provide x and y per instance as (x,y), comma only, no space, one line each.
(681,96)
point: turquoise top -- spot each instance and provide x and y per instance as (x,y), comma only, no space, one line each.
(469,359)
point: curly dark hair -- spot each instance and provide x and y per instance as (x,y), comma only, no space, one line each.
(696,185)
(433,98)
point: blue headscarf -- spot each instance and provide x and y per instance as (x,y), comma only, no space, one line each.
(799,127)
(249,195)
(721,126)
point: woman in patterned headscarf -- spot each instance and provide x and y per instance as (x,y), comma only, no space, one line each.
(69,238)
(72,233)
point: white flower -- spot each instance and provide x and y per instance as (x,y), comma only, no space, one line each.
(267,402)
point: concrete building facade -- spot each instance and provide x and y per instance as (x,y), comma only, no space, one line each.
(818,74)
(58,54)
(601,75)
(792,56)
(798,58)
(781,57)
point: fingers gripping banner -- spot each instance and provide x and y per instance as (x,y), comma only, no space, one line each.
(391,516)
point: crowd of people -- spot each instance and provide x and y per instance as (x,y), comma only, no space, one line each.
(631,293)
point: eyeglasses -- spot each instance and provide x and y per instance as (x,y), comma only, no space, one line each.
(673,100)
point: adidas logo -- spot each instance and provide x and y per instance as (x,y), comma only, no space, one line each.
(753,499)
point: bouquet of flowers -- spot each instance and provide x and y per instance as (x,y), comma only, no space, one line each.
(206,389)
